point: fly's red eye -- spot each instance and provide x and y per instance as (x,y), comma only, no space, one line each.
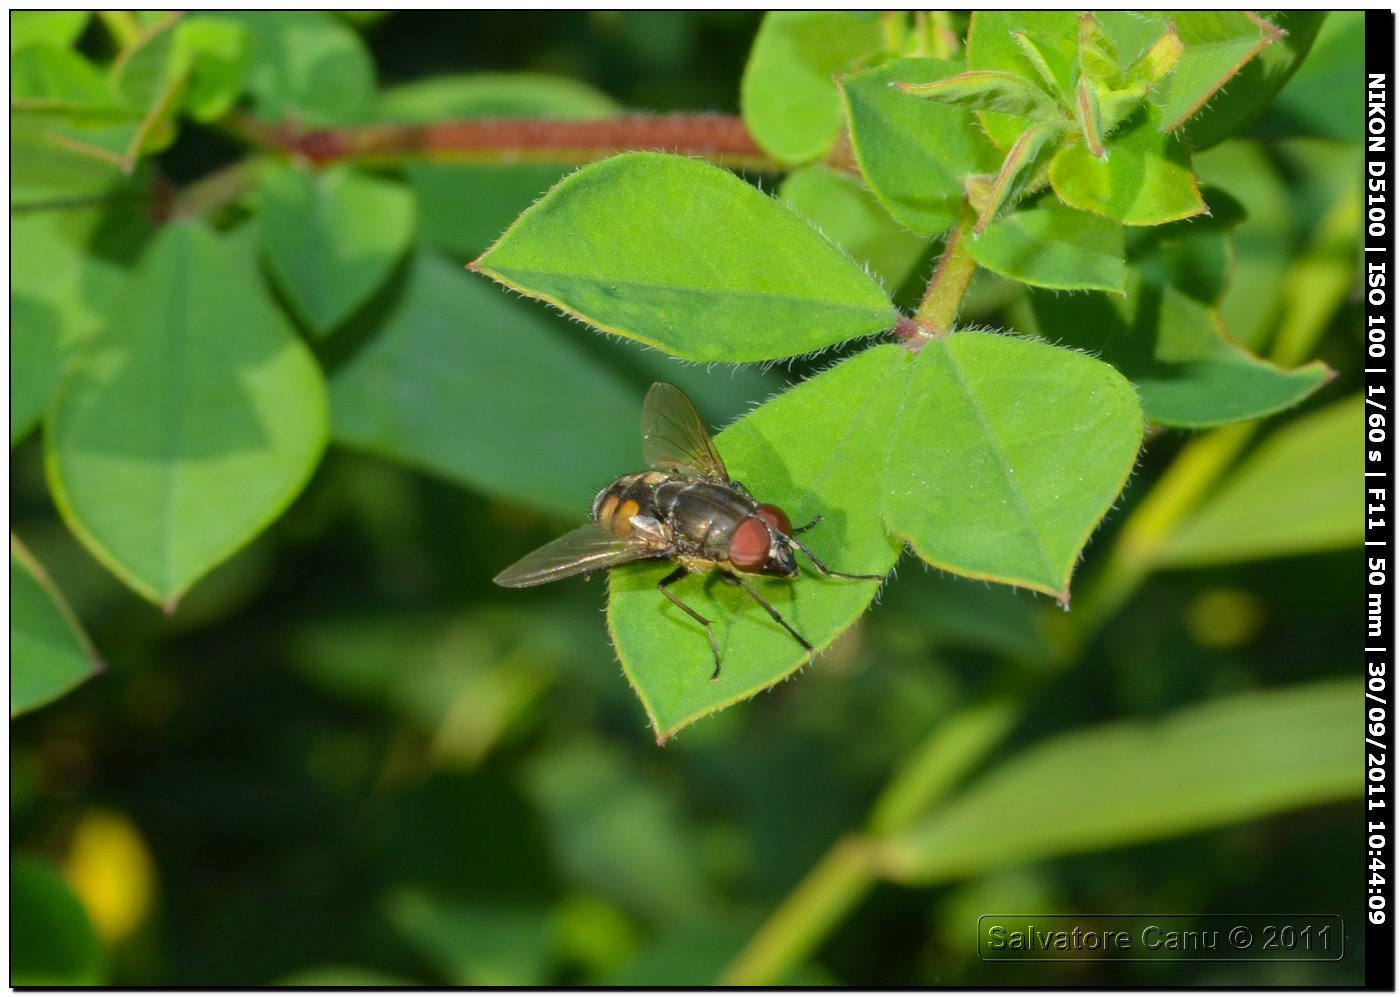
(775,518)
(748,547)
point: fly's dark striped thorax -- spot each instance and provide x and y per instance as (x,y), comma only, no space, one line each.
(702,514)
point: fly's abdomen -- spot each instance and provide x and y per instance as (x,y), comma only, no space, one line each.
(634,495)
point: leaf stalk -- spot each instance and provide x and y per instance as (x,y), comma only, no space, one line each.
(946,289)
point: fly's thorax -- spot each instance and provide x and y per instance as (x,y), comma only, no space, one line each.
(633,495)
(702,514)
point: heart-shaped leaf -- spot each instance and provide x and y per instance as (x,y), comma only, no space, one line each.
(331,238)
(74,261)
(1215,47)
(1007,454)
(1165,333)
(814,450)
(441,387)
(1054,246)
(189,423)
(787,97)
(49,652)
(913,153)
(688,258)
(306,65)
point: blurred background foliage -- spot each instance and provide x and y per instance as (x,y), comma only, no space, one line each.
(348,758)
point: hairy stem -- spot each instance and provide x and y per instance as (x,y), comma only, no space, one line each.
(946,289)
(718,138)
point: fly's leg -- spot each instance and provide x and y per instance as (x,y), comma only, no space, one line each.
(817,563)
(671,579)
(777,617)
(809,524)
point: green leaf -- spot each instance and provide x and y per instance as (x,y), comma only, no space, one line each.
(59,27)
(52,942)
(1216,45)
(216,54)
(307,66)
(1326,96)
(1004,93)
(74,261)
(1007,454)
(1156,61)
(46,170)
(1054,57)
(331,238)
(1097,55)
(842,209)
(53,79)
(189,424)
(1165,334)
(469,383)
(688,258)
(493,95)
(475,944)
(49,652)
(617,833)
(787,97)
(63,108)
(1056,247)
(914,154)
(997,41)
(1253,87)
(1145,179)
(814,450)
(1022,169)
(463,208)
(1091,127)
(149,77)
(1125,783)
(1299,492)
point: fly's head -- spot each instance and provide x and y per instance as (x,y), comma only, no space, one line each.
(761,545)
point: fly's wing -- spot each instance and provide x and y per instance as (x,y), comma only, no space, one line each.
(582,551)
(674,438)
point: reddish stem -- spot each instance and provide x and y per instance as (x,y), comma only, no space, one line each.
(716,137)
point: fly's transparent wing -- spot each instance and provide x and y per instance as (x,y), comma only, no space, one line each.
(582,551)
(674,438)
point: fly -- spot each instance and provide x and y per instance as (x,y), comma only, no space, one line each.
(684,508)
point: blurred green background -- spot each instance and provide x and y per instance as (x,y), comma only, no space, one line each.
(350,758)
